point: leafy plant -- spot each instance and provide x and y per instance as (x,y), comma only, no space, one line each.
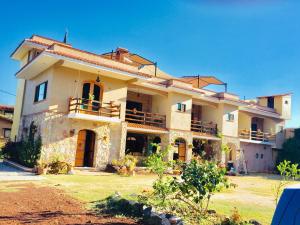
(126,165)
(156,162)
(189,196)
(59,167)
(27,152)
(288,172)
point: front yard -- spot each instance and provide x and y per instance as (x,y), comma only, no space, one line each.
(253,196)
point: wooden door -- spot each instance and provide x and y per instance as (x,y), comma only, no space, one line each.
(181,151)
(79,159)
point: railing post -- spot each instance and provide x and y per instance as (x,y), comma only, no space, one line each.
(76,106)
(145,114)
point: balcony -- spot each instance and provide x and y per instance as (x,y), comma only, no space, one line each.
(205,128)
(257,136)
(145,118)
(87,109)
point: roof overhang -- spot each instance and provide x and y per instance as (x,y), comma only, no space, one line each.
(260,112)
(47,59)
(23,48)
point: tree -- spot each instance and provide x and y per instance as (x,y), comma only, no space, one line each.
(290,149)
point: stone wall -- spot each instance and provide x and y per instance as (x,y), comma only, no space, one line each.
(59,137)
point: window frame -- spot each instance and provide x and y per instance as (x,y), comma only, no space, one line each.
(4,132)
(230,117)
(37,93)
(181,107)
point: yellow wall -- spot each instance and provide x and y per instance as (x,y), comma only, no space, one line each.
(176,119)
(29,106)
(68,83)
(229,128)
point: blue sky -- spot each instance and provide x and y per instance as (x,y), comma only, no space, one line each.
(253,45)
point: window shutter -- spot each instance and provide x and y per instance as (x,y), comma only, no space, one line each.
(45,90)
(36,96)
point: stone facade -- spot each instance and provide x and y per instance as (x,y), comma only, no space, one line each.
(59,137)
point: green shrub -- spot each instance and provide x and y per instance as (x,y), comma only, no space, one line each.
(26,152)
(290,149)
(58,167)
(156,162)
(126,165)
(190,196)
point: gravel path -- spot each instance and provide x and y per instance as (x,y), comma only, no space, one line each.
(8,173)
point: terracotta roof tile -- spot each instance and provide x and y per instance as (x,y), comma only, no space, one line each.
(96,62)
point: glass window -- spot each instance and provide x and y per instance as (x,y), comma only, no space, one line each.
(181,107)
(230,117)
(41,92)
(6,132)
(271,102)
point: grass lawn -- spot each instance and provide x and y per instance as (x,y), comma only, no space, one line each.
(253,196)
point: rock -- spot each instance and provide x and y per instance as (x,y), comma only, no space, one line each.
(255,222)
(154,219)
(147,211)
(174,220)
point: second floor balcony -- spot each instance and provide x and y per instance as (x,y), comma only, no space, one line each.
(205,128)
(145,118)
(88,109)
(257,135)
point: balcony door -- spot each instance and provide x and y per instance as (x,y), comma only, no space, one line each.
(91,96)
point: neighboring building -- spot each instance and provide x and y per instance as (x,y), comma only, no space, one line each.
(94,108)
(6,120)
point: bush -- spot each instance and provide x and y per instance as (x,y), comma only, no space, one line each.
(59,167)
(126,165)
(189,197)
(26,152)
(156,161)
(290,149)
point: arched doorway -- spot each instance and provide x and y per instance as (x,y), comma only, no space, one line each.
(85,148)
(181,153)
(91,96)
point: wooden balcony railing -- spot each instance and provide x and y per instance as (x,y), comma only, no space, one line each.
(146,118)
(257,136)
(92,107)
(204,127)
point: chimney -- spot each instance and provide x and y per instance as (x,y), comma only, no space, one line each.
(121,54)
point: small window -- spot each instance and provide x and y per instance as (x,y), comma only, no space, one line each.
(256,155)
(271,102)
(181,107)
(41,92)
(261,156)
(230,117)
(6,132)
(286,102)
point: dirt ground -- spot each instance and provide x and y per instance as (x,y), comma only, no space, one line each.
(31,204)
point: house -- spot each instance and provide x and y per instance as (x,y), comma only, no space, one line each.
(6,120)
(94,108)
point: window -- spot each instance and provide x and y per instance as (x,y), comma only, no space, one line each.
(271,102)
(41,92)
(6,132)
(230,117)
(286,102)
(181,107)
